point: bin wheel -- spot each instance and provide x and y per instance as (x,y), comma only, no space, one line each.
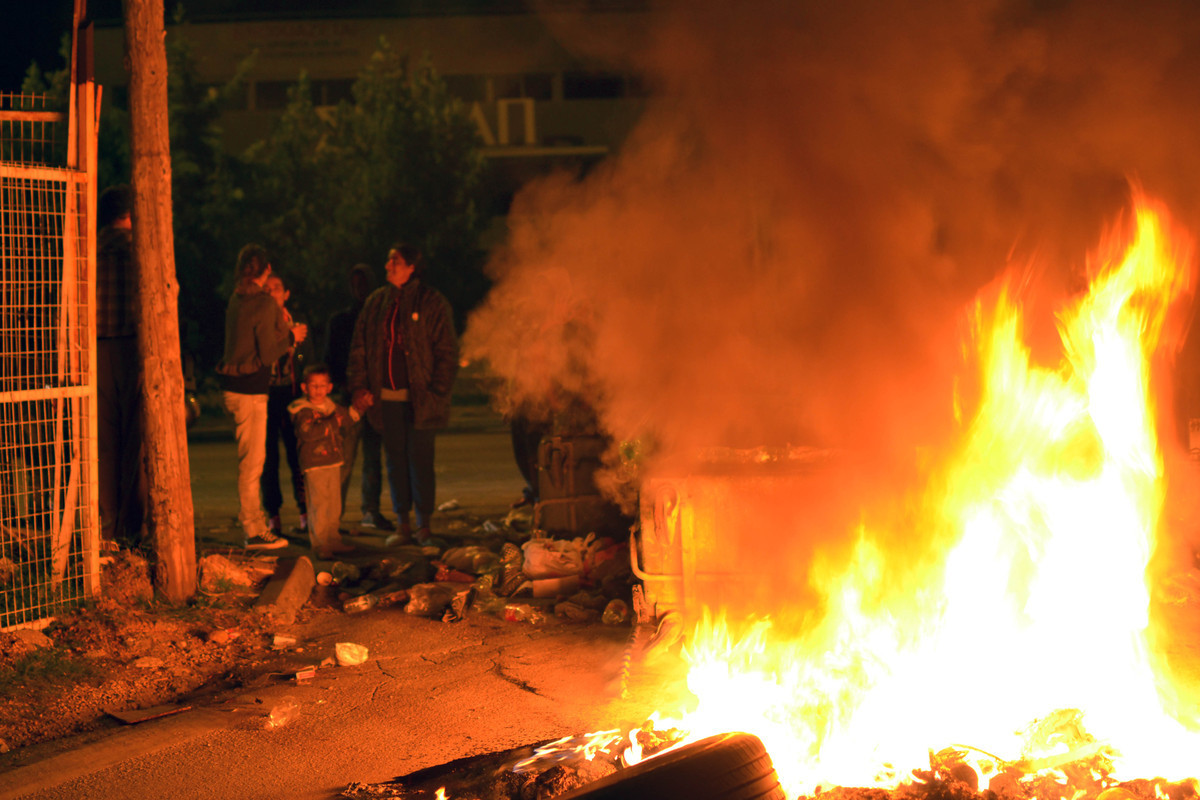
(730,766)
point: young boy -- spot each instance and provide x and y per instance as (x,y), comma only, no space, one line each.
(321,425)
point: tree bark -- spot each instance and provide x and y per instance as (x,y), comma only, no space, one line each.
(169,514)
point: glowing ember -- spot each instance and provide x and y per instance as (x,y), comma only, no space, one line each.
(1046,516)
(568,748)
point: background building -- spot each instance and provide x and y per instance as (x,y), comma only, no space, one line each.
(542,87)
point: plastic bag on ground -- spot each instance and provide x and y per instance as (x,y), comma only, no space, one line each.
(459,605)
(349,654)
(553,558)
(473,559)
(281,713)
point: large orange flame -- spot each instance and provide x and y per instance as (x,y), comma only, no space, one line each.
(1037,599)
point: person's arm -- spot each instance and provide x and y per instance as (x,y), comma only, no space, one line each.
(312,425)
(273,336)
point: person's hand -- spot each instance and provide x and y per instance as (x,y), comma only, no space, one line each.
(299,332)
(362,400)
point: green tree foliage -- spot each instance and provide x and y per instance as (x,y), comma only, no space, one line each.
(330,187)
(342,184)
(212,217)
(211,220)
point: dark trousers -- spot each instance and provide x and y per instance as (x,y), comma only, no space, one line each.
(363,437)
(119,440)
(409,455)
(279,426)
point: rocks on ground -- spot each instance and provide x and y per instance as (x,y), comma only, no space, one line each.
(127,652)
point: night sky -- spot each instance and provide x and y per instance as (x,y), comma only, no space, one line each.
(32,31)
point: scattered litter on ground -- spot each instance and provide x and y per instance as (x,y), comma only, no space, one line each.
(430,599)
(283,712)
(344,572)
(349,654)
(523,612)
(616,612)
(363,602)
(223,635)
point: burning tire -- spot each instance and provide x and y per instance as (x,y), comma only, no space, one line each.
(731,766)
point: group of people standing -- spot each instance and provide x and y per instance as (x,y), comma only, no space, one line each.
(389,366)
(391,360)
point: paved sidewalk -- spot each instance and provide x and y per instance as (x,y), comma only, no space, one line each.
(430,692)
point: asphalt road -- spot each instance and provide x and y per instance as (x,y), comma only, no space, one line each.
(429,692)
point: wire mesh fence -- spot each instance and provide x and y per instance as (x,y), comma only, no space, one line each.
(47,517)
(31,131)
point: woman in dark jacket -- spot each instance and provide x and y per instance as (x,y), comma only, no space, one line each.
(403,360)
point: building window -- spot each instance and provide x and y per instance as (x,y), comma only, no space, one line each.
(333,91)
(468,88)
(271,95)
(506,86)
(592,86)
(539,86)
(274,95)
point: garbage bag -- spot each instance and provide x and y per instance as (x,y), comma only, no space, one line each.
(459,605)
(474,559)
(553,558)
(431,599)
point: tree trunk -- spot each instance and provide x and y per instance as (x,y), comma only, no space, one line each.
(169,513)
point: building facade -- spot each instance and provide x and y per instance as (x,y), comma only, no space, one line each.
(541,86)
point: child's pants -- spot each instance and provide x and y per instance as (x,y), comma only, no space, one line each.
(323,489)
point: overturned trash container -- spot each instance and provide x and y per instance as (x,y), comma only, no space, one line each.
(732,528)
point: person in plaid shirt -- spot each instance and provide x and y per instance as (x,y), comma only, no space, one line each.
(118,373)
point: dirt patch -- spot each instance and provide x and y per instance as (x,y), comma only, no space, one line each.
(125,652)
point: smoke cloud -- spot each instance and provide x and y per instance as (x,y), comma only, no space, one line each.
(785,249)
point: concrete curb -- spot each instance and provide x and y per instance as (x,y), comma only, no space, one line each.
(88,757)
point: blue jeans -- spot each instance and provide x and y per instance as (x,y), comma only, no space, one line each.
(409,462)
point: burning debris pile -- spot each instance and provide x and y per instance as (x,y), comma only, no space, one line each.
(610,764)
